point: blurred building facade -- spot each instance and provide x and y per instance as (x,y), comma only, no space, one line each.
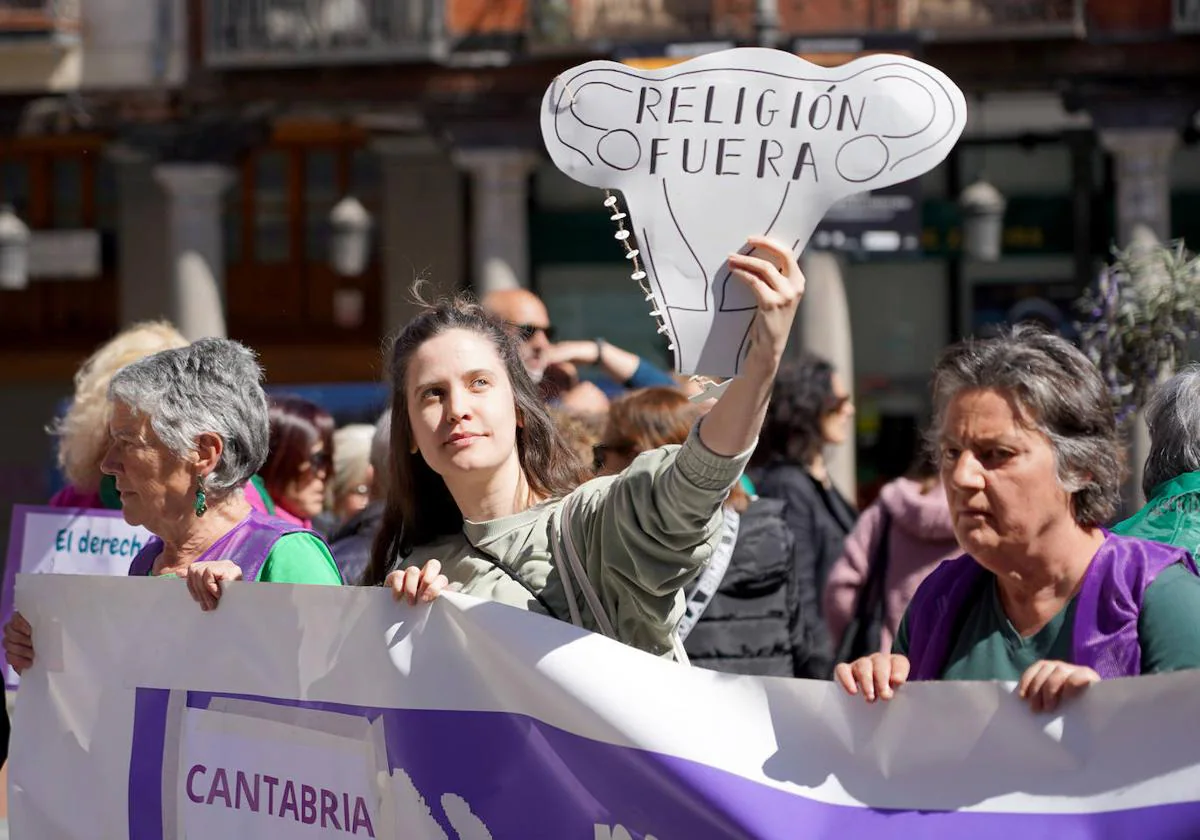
(200,145)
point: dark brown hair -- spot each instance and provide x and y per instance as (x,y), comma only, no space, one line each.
(419,506)
(297,425)
(801,397)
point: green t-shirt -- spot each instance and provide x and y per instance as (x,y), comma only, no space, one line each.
(988,648)
(299,558)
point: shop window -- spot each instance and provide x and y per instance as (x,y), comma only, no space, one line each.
(14,184)
(54,184)
(322,189)
(67,176)
(281,287)
(272,232)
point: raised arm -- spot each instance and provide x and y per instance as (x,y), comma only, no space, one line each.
(647,533)
(625,368)
(774,277)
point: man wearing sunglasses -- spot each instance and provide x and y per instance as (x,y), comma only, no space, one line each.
(528,317)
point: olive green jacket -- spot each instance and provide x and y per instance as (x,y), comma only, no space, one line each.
(642,536)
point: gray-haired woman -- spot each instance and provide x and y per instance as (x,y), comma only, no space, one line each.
(1171,479)
(189,428)
(1031,463)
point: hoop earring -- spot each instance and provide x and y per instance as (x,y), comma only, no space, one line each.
(201,498)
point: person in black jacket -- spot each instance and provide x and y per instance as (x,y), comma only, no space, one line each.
(351,542)
(810,410)
(744,613)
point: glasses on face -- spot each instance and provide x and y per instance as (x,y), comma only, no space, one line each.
(527,331)
(319,462)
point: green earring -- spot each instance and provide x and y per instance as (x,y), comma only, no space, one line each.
(201,499)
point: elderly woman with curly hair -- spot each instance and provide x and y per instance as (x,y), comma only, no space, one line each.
(810,410)
(188,430)
(83,431)
(1044,596)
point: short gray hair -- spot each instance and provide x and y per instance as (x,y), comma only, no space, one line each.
(211,386)
(1062,395)
(1173,417)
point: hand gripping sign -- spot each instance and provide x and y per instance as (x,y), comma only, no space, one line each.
(734,143)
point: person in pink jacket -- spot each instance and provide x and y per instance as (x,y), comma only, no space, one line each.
(920,536)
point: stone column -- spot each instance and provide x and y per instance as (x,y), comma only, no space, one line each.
(824,329)
(1143,163)
(421,226)
(500,215)
(141,238)
(195,252)
(1142,158)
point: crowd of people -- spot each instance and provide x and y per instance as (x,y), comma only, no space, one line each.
(704,530)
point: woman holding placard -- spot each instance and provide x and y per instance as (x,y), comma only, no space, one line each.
(189,429)
(1045,597)
(486,495)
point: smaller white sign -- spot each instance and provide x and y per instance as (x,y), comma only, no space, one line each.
(66,541)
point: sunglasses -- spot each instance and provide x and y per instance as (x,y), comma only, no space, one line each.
(319,461)
(838,403)
(528,331)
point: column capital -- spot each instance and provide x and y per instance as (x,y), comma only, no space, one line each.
(1139,142)
(193,179)
(124,154)
(497,163)
(1143,167)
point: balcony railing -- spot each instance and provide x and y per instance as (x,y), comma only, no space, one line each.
(39,18)
(998,19)
(273,33)
(1186,17)
(617,21)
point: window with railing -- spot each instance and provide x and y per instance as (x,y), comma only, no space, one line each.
(560,22)
(998,18)
(33,16)
(267,32)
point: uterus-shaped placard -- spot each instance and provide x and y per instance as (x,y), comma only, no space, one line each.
(736,143)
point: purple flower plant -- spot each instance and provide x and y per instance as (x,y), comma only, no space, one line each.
(1139,318)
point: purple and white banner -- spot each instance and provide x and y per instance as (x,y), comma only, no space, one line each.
(318,712)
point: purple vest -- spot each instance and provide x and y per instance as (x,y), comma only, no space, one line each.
(1104,636)
(247,545)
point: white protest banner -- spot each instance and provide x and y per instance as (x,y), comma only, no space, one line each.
(735,143)
(73,541)
(325,712)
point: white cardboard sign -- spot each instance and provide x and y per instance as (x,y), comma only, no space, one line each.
(735,143)
(72,541)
